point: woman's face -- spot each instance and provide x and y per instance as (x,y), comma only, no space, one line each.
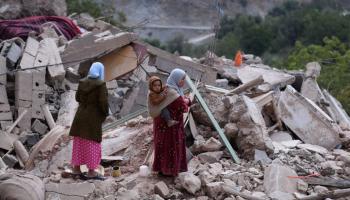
(182,82)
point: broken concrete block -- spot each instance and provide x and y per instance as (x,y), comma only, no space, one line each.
(25,123)
(272,78)
(313,69)
(222,83)
(214,189)
(162,189)
(280,136)
(67,190)
(2,164)
(21,151)
(339,113)
(39,79)
(3,79)
(189,182)
(32,138)
(4,107)
(23,85)
(3,70)
(276,179)
(210,157)
(302,186)
(38,100)
(23,103)
(39,127)
(30,52)
(5,116)
(5,124)
(14,53)
(212,145)
(307,120)
(262,157)
(3,95)
(313,148)
(10,160)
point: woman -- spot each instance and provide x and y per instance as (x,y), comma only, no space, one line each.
(87,124)
(169,142)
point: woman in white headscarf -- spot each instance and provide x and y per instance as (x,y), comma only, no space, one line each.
(169,142)
(86,128)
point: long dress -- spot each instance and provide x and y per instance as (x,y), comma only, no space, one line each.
(169,142)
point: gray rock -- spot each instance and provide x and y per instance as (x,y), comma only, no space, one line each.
(210,157)
(189,182)
(214,189)
(280,136)
(162,189)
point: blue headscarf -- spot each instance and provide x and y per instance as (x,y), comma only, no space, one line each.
(97,71)
(174,78)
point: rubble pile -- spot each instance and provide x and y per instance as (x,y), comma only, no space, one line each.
(292,141)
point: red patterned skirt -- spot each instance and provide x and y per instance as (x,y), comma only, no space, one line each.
(86,152)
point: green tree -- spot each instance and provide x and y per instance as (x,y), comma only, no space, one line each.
(334,57)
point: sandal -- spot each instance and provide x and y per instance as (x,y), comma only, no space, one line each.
(67,174)
(84,176)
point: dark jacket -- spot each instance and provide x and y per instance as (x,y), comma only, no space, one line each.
(92,97)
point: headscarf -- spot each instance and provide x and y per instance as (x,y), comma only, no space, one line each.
(97,71)
(174,78)
(153,79)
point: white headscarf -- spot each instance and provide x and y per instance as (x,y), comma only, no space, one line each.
(174,78)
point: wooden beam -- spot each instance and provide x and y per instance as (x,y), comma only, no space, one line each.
(326,181)
(328,194)
(259,80)
(16,122)
(213,120)
(49,119)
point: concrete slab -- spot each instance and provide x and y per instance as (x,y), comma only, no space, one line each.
(4,107)
(30,52)
(39,79)
(307,120)
(14,53)
(23,85)
(5,116)
(273,78)
(3,95)
(66,190)
(276,179)
(25,123)
(38,99)
(39,127)
(340,115)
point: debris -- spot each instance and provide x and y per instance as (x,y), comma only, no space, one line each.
(21,186)
(252,83)
(189,182)
(64,190)
(162,189)
(210,157)
(276,180)
(307,120)
(327,181)
(10,160)
(39,127)
(21,151)
(49,119)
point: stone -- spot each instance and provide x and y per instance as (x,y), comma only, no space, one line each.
(278,195)
(313,148)
(162,189)
(32,138)
(128,194)
(202,198)
(259,195)
(10,160)
(222,83)
(231,130)
(23,85)
(157,197)
(212,145)
(210,157)
(276,178)
(307,120)
(214,189)
(39,127)
(189,182)
(281,136)
(320,189)
(14,53)
(66,190)
(3,95)
(302,186)
(291,143)
(262,157)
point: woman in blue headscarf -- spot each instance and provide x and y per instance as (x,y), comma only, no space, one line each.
(169,142)
(86,128)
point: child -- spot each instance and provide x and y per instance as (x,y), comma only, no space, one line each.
(157,94)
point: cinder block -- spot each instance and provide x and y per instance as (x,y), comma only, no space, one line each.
(5,116)
(3,79)
(14,53)
(25,123)
(23,103)
(4,107)
(3,95)
(39,127)
(5,124)
(39,79)
(38,99)
(10,160)
(23,85)
(3,68)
